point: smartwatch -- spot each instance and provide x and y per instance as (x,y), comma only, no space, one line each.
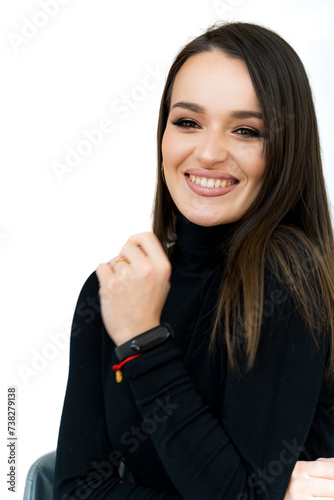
(143,342)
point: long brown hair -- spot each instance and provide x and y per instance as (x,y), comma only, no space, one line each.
(288,226)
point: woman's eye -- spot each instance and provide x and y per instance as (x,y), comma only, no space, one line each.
(185,123)
(248,132)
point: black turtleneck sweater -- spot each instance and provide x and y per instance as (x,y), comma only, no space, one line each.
(185,424)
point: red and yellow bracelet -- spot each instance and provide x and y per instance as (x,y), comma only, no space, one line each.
(117,368)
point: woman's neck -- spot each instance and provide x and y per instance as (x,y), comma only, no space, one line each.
(199,249)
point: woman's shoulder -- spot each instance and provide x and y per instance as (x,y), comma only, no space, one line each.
(88,299)
(291,256)
(87,319)
(295,265)
(90,286)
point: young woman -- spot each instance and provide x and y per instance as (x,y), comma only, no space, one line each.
(202,356)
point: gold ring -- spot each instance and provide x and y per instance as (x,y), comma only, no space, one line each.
(113,262)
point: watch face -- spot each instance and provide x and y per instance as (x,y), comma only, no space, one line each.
(135,346)
(143,342)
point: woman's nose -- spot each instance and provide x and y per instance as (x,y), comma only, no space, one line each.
(211,148)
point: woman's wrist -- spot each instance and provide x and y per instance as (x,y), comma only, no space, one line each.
(143,342)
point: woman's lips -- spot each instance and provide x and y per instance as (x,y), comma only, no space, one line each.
(210,183)
(210,174)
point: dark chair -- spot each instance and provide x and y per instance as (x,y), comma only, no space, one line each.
(40,478)
(39,481)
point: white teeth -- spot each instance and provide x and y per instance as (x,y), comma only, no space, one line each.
(210,183)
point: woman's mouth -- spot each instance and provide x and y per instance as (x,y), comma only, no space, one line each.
(211,183)
(208,186)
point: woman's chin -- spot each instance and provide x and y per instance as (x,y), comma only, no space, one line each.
(205,218)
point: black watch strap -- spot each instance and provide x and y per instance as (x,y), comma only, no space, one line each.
(143,342)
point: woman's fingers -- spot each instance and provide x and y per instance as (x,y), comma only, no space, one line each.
(321,468)
(145,249)
(326,469)
(330,460)
(312,480)
(109,281)
(307,488)
(134,287)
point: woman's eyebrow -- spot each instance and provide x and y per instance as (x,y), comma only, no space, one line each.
(246,114)
(190,105)
(197,108)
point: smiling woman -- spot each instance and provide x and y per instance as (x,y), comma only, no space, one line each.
(219,324)
(213,148)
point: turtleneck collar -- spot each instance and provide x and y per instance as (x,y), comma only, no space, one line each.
(199,249)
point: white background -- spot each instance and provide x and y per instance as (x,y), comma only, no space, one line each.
(58,80)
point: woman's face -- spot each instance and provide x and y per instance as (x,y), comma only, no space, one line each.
(212,146)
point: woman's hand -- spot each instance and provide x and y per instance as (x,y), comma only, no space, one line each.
(311,480)
(134,291)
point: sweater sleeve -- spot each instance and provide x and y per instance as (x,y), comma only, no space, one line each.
(86,463)
(249,452)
